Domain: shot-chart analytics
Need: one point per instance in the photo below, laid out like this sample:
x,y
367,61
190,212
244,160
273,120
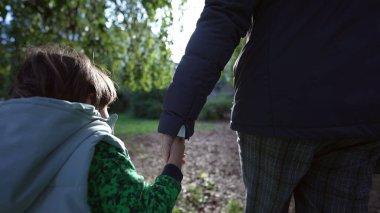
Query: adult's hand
x,y
166,143
177,152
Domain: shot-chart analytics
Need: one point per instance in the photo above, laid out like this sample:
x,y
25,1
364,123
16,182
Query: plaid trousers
x,y
323,176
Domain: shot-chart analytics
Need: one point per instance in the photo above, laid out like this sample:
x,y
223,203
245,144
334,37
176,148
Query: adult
x,y
307,97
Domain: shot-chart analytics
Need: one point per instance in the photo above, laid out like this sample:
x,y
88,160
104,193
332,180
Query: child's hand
x,y
177,152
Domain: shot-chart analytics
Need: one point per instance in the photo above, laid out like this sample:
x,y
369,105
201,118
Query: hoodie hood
x,y
37,137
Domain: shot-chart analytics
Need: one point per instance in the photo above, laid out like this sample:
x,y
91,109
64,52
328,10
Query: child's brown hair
x,y
63,73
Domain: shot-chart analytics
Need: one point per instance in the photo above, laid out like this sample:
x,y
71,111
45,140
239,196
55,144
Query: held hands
x,y
173,149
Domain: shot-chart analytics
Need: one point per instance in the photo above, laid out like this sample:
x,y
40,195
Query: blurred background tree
x,y
128,37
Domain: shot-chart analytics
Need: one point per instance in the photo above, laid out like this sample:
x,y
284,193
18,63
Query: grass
x,y
127,125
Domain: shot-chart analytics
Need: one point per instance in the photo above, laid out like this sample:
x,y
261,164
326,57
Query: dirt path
x,y
212,181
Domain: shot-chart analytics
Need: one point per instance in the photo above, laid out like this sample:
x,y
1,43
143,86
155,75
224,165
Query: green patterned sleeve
x,y
115,186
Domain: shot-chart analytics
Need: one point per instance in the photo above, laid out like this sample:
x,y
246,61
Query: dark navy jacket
x,y
311,68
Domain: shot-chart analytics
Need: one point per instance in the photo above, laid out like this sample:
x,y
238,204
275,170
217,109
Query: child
x,y
57,150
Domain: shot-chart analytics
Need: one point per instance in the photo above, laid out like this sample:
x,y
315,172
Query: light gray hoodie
x,y
46,147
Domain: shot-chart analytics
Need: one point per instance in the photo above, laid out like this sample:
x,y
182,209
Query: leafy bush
x,y
122,103
216,108
147,104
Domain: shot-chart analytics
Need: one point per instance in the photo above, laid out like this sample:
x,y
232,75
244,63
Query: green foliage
x,y
122,103
227,74
128,37
234,206
176,210
147,104
216,108
4,80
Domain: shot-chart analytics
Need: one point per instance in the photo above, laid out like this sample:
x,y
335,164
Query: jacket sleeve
x,y
221,26
115,186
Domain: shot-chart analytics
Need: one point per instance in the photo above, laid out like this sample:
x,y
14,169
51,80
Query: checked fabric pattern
x,y
324,176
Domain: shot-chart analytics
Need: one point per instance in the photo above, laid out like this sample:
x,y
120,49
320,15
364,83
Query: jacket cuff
x,y
170,124
173,171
